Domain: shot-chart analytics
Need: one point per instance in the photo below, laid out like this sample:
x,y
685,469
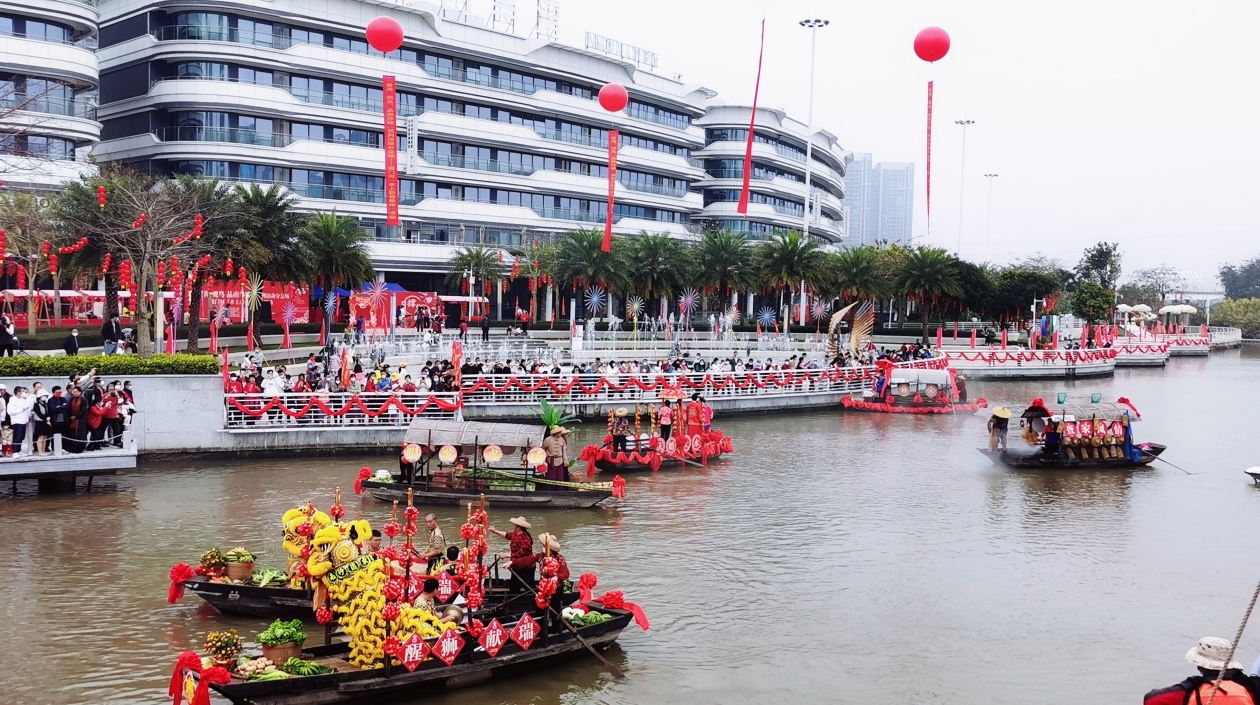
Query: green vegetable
x,y
299,667
275,675
268,576
239,555
282,632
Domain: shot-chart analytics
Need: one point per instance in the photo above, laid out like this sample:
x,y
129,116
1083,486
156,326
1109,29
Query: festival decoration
x,y
355,404
687,302
447,454
412,453
288,313
492,453
595,299
930,45
766,316
613,97
385,34
635,307
100,197
819,310
742,206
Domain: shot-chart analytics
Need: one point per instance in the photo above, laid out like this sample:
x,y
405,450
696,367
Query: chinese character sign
x,y
612,188
448,646
413,652
446,586
493,638
390,97
525,631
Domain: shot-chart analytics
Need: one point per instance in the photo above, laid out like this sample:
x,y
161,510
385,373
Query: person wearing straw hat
x,y
520,553
1210,656
999,422
556,447
620,429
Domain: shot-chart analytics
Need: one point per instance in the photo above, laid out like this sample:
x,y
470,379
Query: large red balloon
x,y
613,97
384,34
932,44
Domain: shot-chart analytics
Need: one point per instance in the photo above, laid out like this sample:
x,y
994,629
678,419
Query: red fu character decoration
x,y
613,98
931,45
386,35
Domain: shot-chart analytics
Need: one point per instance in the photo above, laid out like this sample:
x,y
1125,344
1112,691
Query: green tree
x,y
482,262
723,260
786,260
1018,286
1100,264
1239,313
1162,279
1242,281
272,240
1091,302
581,260
858,273
337,246
929,275
979,287
660,263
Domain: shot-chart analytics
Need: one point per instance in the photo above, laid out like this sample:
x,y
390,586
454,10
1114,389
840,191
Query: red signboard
x,y
525,631
230,295
388,85
413,651
613,137
493,638
446,586
448,646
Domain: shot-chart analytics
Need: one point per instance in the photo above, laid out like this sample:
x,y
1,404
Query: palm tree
x,y
660,263
724,261
338,250
787,259
483,263
270,233
857,274
927,275
582,260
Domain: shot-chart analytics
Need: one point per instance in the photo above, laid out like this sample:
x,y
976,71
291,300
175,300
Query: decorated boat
x,y
389,642
690,443
913,391
455,462
1078,435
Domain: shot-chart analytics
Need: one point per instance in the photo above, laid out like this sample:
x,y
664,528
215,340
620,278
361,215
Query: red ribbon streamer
x,y
929,158
188,660
851,403
613,137
742,209
354,403
179,573
615,600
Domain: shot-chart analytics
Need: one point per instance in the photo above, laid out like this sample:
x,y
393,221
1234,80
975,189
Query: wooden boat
x,y
472,666
287,603
453,462
652,454
913,391
1093,435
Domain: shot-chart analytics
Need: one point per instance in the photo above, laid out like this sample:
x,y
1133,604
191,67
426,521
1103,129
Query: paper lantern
x,y
492,454
447,454
536,456
932,44
411,453
613,97
384,34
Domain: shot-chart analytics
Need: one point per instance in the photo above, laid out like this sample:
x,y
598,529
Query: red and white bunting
x,y
413,651
525,631
493,638
448,646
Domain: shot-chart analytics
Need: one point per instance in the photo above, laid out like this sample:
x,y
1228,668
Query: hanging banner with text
x,y
613,136
388,84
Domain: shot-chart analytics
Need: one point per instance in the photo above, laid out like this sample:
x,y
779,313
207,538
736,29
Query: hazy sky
x,y
1112,120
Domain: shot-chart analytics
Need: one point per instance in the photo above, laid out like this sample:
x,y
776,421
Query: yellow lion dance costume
x,y
294,542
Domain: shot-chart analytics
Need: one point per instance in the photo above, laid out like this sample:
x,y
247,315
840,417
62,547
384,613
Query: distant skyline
x,y
1122,121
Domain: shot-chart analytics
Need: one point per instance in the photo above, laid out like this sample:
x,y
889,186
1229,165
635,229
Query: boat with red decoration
x,y
689,441
901,390
1093,435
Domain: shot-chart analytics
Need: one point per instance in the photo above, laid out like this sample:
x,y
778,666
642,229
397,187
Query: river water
x,y
834,557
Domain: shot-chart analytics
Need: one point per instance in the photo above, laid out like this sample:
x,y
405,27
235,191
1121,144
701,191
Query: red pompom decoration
x,y
391,529
468,532
306,551
391,611
411,514
337,511
550,566
306,528
409,529
390,646
392,589
323,615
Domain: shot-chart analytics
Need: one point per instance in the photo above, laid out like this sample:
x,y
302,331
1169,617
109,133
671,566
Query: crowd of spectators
x,y
88,413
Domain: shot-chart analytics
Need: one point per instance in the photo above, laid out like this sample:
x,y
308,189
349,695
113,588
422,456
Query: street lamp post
x,y
962,180
813,26
989,226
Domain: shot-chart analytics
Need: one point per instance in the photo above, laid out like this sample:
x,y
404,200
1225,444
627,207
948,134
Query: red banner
x,y
388,85
742,209
613,137
232,297
929,159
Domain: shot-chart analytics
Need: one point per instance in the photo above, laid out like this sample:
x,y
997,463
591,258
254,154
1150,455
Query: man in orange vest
x,y
1235,688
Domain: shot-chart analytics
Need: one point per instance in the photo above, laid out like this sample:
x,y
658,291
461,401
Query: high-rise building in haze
x,y
879,199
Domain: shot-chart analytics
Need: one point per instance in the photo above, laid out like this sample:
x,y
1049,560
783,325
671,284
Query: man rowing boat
x,y
1235,688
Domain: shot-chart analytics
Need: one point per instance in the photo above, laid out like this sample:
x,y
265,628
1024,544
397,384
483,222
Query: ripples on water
x,y
834,557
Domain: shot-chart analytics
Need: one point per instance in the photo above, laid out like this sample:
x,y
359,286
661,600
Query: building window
x,y
202,168
203,69
201,25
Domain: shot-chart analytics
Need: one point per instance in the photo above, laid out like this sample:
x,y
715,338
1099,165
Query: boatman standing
x,y
998,425
556,448
1235,688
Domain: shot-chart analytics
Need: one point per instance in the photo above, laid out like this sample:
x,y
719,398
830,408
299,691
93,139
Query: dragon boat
x,y
457,462
648,451
1094,435
913,391
381,642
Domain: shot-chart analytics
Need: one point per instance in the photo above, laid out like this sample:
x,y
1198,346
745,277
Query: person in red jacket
x,y
1209,655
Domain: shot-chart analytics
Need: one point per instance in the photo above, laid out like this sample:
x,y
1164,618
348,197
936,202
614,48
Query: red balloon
x,y
613,97
932,44
384,34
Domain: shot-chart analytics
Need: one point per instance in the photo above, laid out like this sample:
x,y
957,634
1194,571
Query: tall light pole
x,y
813,26
962,179
989,227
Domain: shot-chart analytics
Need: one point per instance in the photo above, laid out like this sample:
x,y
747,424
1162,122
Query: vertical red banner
x,y
929,159
742,208
390,97
613,137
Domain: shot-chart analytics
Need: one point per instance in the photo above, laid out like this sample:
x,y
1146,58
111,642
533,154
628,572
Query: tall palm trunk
x,y
927,311
111,295
194,315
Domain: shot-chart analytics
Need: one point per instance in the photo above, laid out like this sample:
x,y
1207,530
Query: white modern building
x,y
879,200
48,87
862,222
777,183
501,138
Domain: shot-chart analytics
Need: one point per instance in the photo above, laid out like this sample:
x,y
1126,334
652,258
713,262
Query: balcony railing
x,y
572,214
49,105
191,133
461,162
661,189
214,33
348,193
81,43
572,137
641,112
788,152
758,175
351,102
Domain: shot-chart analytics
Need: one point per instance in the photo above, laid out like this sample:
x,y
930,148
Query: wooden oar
x,y
679,457
616,672
1161,459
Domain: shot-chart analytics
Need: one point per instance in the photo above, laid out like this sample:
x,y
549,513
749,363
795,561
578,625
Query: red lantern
x,y
227,267
100,197
52,264
613,97
43,250
2,243
932,44
384,34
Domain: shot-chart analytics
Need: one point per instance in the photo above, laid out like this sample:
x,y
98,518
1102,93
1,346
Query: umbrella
x,y
1124,308
1141,308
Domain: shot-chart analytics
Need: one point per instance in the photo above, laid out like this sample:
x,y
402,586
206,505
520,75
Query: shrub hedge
x,y
109,365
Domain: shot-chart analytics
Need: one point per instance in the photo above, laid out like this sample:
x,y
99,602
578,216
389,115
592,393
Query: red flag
x,y
939,338
613,136
226,381
973,337
929,158
390,99
752,124
955,330
1003,338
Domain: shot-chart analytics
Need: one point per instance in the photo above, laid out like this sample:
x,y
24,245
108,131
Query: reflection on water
x,y
833,553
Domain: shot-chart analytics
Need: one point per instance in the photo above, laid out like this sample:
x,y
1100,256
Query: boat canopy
x,y
923,377
1080,411
508,436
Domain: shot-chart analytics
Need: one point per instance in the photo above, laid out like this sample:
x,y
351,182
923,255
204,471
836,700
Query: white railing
x,y
1221,335
615,388
1018,357
297,411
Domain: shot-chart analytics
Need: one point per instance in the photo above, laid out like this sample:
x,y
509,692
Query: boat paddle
x,y
616,672
1161,459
